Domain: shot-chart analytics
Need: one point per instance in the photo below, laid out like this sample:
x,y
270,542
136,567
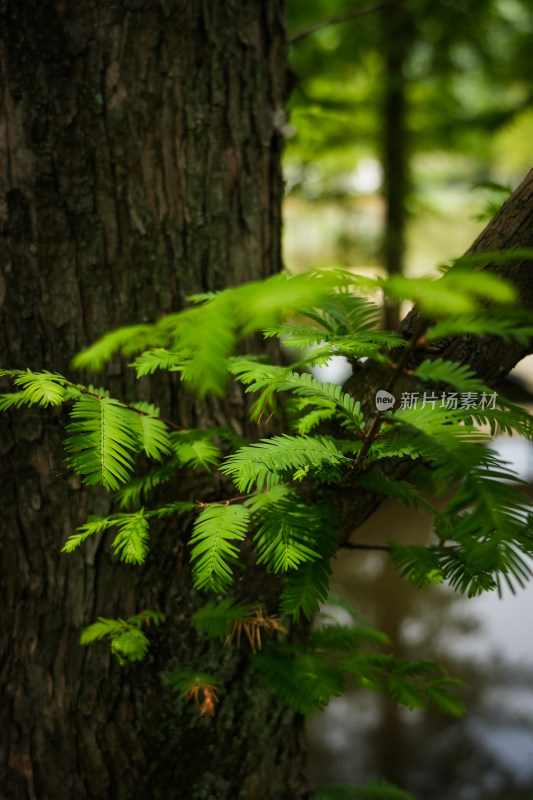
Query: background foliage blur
x,y
400,121
409,125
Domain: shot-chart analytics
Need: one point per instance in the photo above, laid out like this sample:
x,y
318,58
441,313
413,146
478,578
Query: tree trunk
x,y
139,163
397,42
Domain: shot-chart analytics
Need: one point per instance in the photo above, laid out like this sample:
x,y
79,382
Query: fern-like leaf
x,y
403,491
39,388
305,589
94,525
445,701
306,681
216,617
102,441
267,461
215,531
421,565
458,292
517,325
288,532
127,640
274,380
128,340
152,432
159,358
130,543
195,449
343,313
451,373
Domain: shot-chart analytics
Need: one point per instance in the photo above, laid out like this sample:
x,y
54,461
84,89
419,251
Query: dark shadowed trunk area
x,y
139,163
397,43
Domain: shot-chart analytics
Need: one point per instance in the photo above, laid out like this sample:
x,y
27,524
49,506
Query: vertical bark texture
x,y
139,162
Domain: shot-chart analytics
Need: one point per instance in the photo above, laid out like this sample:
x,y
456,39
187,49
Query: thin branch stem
x,y
83,390
228,502
398,370
356,546
300,33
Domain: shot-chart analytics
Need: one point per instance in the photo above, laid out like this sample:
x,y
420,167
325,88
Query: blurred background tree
x,y
408,121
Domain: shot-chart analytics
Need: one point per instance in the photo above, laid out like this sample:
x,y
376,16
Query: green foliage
x,y
195,449
191,448
131,540
304,679
158,358
289,484
137,490
42,388
460,376
458,292
222,319
184,681
371,791
307,677
215,531
327,396
403,491
288,532
305,589
102,441
128,642
514,324
152,433
266,463
216,617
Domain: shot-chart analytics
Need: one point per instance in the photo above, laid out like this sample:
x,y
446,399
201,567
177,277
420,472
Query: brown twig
x,y
398,370
227,502
84,390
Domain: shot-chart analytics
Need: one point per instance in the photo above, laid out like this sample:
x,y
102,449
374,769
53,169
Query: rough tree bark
x,y
139,163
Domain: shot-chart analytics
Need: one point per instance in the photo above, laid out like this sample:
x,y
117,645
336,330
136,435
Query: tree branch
x,y
300,33
398,371
357,546
490,357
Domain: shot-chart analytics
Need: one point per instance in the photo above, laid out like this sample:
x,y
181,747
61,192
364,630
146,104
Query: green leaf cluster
x,y
127,640
277,513
307,677
371,791
38,388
